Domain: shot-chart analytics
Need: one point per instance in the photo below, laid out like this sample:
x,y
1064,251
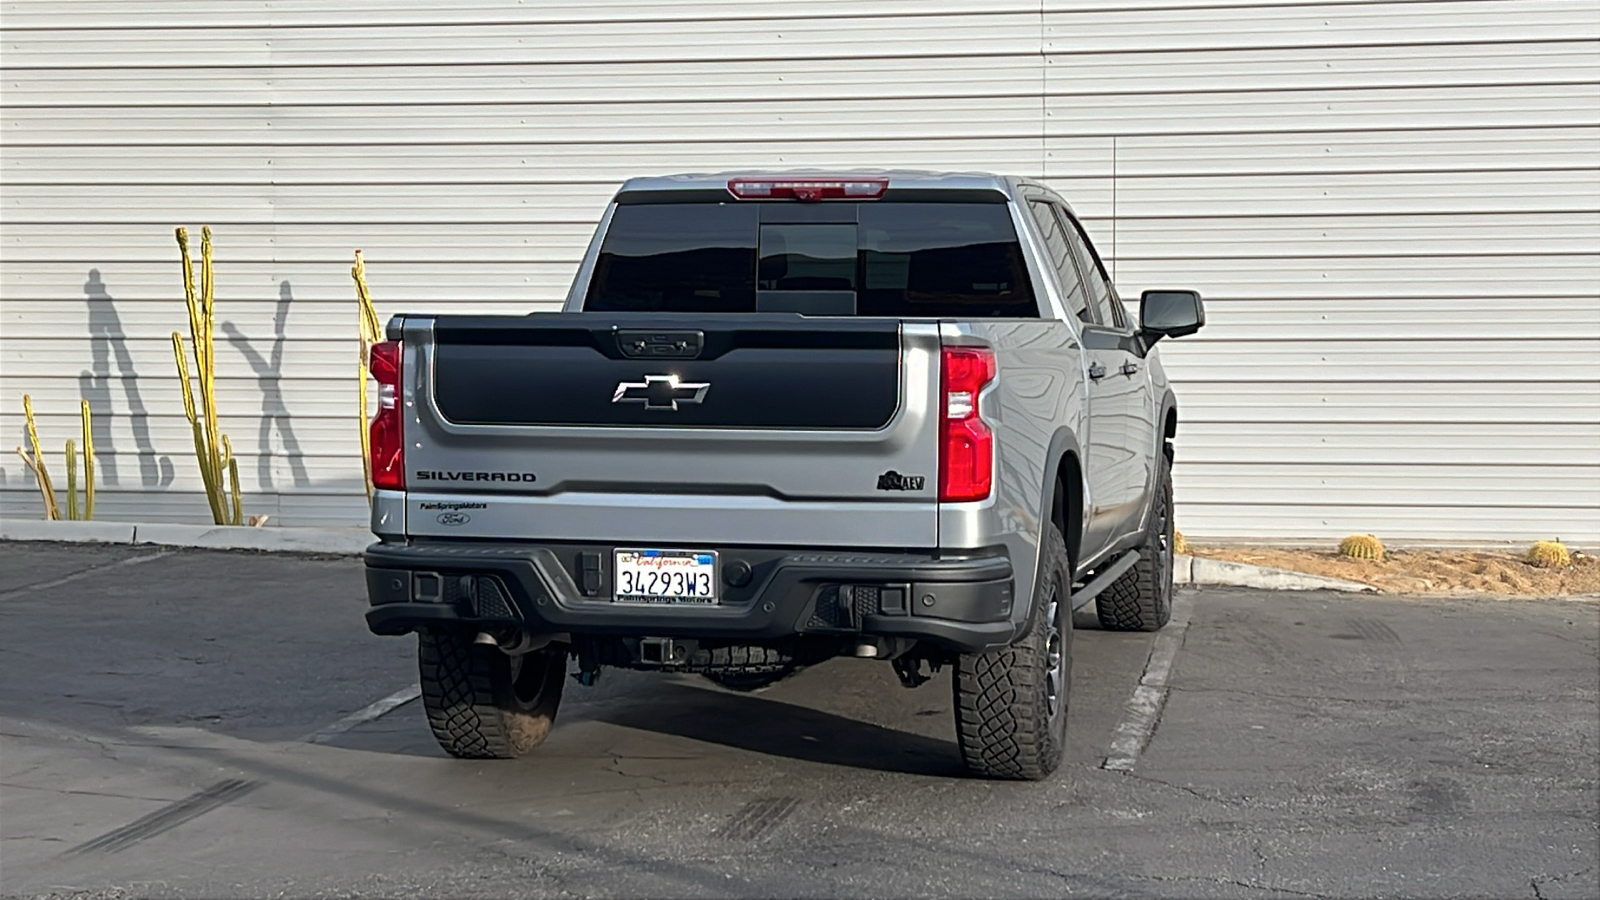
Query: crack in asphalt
x,y
1392,703
617,762
1231,882
102,744
1210,798
1366,701
105,750
82,793
1538,880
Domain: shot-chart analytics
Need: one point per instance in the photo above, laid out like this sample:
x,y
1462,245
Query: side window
x,y
1055,241
1100,293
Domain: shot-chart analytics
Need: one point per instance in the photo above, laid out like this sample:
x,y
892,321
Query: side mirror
x,y
1170,314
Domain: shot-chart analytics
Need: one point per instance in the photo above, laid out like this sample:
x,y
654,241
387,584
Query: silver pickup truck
x,y
783,417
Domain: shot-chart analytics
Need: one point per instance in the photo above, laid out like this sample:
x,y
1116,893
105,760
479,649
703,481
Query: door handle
x,y
1096,371
1129,368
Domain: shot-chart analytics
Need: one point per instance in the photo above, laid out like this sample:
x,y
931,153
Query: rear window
x,y
881,258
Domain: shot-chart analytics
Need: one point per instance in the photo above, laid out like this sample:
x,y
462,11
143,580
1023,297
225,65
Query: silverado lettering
x,y
435,475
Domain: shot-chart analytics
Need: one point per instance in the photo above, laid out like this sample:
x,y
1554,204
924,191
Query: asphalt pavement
x,y
220,724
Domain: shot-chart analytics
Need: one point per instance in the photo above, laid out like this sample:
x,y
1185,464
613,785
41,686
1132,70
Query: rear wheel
x,y
483,704
1011,705
1141,599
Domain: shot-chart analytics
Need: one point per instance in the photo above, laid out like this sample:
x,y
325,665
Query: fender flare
x,y
1062,442
1168,405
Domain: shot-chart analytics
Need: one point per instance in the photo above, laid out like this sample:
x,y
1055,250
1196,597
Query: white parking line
x,y
365,714
1144,707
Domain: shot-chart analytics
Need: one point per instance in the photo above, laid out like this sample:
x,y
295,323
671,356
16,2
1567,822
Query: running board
x,y
1103,580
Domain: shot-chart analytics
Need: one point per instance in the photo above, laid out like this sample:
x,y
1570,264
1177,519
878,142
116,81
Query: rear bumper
x,y
962,603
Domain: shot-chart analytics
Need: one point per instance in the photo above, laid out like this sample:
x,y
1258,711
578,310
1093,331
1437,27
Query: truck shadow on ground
x,y
772,727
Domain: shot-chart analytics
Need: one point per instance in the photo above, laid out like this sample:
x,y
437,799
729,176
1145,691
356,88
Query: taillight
x,y
966,445
387,438
808,188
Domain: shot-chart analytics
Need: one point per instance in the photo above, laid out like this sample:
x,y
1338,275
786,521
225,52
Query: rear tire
x,y
1141,599
1011,705
483,704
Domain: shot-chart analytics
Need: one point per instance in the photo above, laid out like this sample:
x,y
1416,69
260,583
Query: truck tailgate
x,y
733,428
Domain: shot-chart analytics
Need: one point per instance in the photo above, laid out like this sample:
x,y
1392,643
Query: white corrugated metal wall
x,y
1393,209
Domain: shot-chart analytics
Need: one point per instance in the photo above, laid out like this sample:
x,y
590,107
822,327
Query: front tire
x,y
1141,599
1011,705
483,704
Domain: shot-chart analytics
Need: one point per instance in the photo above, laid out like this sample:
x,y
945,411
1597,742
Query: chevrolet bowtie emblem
x,y
663,392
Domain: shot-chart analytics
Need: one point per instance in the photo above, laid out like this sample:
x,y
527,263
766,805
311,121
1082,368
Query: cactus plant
x,y
88,462
210,445
371,333
41,473
72,480
36,464
1361,546
1549,555
232,465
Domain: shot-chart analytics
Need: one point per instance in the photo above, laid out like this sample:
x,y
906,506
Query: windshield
x,y
880,258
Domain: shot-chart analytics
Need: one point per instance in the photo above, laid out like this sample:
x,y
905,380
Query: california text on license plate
x,y
666,576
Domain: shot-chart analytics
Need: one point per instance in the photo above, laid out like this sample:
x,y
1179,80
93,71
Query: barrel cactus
x,y
1361,546
1549,555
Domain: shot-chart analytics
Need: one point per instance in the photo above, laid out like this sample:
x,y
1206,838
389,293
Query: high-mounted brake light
x,y
386,439
808,189
966,443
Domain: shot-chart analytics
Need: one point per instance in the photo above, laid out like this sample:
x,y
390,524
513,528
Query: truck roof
x,y
898,178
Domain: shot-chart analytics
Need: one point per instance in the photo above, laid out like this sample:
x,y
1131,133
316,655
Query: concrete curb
x,y
76,532
335,541
1200,572
1187,570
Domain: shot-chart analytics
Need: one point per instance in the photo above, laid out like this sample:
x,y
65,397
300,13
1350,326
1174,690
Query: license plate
x,y
666,576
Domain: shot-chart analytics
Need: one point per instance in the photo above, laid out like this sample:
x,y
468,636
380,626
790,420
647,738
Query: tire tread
x,y
1002,722
464,694
1133,601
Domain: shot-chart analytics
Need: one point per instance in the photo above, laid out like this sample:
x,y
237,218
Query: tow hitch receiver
x,y
662,651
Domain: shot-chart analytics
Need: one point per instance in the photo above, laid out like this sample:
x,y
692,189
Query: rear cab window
x,y
890,258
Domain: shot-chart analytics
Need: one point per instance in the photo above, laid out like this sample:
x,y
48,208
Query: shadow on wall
x,y
269,375
107,343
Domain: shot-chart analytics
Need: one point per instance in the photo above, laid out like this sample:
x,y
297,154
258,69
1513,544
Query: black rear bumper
x,y
961,603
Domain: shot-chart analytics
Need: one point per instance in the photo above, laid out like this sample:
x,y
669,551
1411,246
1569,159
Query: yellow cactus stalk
x,y
88,463
1361,546
371,333
41,472
189,410
237,511
1549,555
72,480
28,461
210,445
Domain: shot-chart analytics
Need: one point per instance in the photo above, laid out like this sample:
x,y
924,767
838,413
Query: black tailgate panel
x,y
759,371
